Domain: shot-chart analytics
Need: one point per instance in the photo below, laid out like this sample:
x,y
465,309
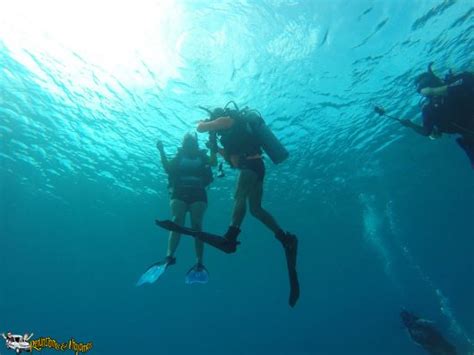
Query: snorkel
x,y
206,109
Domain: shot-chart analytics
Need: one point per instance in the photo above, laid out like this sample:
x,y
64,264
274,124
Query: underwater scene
x,y
281,177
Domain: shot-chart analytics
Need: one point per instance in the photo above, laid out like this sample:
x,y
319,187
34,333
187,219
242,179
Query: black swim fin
x,y
223,244
290,245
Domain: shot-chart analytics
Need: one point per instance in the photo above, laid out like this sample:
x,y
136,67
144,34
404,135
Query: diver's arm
x,y
163,157
458,82
4,337
215,125
421,130
439,91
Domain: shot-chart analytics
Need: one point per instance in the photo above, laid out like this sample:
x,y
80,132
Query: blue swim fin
x,y
198,274
154,272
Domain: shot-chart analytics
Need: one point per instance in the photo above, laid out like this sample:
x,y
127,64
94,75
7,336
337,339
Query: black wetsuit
x,y
188,177
241,141
454,113
427,336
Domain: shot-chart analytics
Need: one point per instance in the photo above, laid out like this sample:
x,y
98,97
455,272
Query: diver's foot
x,y
199,267
169,260
288,240
230,244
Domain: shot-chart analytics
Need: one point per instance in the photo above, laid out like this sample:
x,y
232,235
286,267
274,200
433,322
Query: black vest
x,y
190,172
240,138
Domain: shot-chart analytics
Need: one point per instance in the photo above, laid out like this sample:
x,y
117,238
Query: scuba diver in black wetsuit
x,y
450,108
189,173
423,333
243,135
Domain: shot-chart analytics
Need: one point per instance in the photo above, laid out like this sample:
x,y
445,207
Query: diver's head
x,y
190,143
408,318
427,79
218,112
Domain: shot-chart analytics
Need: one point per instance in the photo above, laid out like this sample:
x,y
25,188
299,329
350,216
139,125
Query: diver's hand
x,y
379,110
405,122
159,146
200,128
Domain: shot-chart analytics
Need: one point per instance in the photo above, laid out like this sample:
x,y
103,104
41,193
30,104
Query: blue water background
x,y
384,217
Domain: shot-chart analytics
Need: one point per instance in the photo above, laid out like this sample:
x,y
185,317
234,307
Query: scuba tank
x,y
269,142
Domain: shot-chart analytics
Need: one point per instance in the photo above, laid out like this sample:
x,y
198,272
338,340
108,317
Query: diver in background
x,y
423,333
189,173
450,108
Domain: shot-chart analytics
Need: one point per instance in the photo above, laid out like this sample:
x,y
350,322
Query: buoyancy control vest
x,y
454,113
249,135
191,171
240,139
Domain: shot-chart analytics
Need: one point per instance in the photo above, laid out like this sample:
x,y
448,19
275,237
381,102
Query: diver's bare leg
x,y
244,184
255,204
197,210
178,212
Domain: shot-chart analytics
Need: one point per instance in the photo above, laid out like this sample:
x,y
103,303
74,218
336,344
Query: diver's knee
x,y
257,212
240,201
240,205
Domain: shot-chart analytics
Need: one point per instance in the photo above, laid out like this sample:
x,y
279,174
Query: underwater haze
x,y
384,217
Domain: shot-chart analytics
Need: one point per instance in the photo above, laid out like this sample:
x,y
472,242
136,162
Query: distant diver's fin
x,y
198,274
216,241
154,272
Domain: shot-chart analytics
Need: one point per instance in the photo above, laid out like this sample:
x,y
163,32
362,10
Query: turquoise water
x,y
384,217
